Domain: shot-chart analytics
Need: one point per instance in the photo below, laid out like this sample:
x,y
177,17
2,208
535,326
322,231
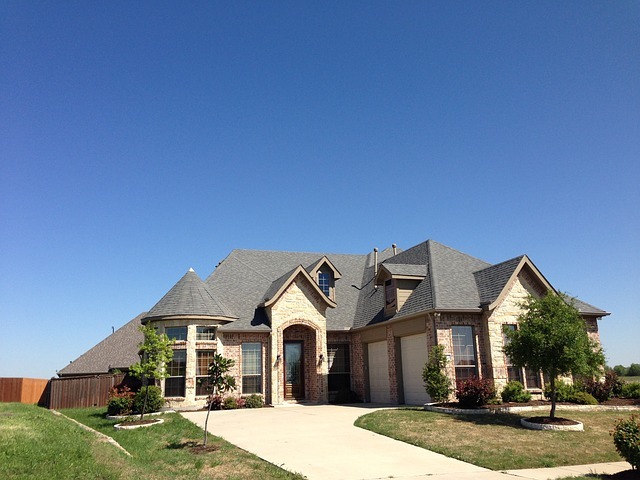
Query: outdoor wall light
x,y
321,358
278,359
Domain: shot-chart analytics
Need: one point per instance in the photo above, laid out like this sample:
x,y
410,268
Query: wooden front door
x,y
293,370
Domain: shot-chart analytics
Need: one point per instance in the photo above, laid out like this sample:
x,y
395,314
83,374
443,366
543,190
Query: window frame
x,y
460,367
528,378
176,328
324,282
202,376
212,334
176,375
249,384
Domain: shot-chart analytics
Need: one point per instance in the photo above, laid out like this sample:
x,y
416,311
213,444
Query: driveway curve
x,y
321,442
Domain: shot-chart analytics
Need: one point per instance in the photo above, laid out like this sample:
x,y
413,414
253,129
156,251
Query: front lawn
x,y
36,444
498,442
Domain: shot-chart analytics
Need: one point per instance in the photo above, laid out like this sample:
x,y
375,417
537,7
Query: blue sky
x,y
138,140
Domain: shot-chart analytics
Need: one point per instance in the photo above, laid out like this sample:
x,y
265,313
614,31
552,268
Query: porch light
x,y
321,359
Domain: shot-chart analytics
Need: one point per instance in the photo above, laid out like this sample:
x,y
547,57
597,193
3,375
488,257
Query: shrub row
x,y
218,402
122,401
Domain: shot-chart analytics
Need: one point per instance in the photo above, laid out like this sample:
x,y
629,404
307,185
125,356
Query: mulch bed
x,y
552,421
139,422
617,402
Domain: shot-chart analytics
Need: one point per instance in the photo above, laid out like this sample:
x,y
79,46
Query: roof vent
x,y
395,248
375,261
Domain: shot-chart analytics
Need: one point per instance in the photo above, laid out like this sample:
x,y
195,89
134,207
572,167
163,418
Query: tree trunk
x,y
206,420
553,397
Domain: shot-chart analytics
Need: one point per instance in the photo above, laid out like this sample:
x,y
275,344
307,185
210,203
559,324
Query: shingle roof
x,y
243,280
190,296
492,280
119,350
401,269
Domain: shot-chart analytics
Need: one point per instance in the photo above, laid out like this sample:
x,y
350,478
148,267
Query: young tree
x,y
219,382
552,337
436,381
155,353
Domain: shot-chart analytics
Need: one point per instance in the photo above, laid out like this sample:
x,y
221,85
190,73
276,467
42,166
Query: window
x,y
176,333
339,367
324,281
203,359
464,352
206,333
177,367
531,378
513,373
251,368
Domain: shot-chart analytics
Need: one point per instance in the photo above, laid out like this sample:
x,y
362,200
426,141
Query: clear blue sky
x,y
140,139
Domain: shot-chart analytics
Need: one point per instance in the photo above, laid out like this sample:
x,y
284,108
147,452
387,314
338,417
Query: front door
x,y
293,371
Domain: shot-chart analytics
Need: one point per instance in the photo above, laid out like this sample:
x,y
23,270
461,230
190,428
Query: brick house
x,y
307,326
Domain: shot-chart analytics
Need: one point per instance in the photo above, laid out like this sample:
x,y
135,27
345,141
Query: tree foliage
x,y
552,337
155,353
218,382
436,381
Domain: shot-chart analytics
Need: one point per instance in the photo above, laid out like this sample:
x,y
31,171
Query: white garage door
x,y
414,355
379,372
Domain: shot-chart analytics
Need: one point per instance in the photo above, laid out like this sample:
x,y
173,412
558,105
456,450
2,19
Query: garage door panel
x,y
414,355
378,372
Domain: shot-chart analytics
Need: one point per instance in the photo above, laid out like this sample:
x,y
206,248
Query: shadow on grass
x,y
500,419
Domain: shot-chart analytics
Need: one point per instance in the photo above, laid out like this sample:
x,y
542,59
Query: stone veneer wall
x,y
507,313
299,313
191,345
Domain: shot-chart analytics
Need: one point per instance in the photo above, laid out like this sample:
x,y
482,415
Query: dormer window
x,y
324,281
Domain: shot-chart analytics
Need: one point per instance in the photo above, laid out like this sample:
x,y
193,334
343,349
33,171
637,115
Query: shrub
x,y
155,400
436,381
474,392
630,390
583,398
603,391
120,401
216,402
514,392
241,402
626,438
254,401
564,391
230,403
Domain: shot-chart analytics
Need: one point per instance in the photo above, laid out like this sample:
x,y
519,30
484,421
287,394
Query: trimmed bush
x,y
514,391
630,390
216,402
120,401
626,438
230,403
583,398
564,391
254,401
474,392
155,400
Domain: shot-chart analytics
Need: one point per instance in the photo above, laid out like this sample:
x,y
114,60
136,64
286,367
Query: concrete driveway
x,y
320,442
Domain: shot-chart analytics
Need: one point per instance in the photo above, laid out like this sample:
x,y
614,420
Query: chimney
x,y
395,248
375,262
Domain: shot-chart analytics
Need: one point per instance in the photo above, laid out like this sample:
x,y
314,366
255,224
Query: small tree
x,y
552,337
218,382
633,370
155,353
436,381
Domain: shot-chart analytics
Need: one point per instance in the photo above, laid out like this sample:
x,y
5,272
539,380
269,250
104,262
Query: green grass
x,y
498,442
36,444
630,379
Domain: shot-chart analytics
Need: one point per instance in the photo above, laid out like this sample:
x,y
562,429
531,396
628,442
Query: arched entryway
x,y
301,376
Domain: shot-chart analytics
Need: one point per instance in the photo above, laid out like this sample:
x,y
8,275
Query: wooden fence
x,y
77,392
24,390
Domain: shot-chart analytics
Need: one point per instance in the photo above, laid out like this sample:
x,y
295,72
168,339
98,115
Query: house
x,y
307,326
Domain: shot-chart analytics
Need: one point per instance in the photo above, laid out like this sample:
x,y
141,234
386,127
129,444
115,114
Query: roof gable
x,y
279,286
317,265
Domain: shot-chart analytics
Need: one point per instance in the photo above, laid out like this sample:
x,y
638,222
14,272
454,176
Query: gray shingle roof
x,y
119,350
190,296
492,280
409,270
243,280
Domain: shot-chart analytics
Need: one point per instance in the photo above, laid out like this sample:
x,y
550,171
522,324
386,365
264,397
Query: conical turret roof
x,y
189,297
